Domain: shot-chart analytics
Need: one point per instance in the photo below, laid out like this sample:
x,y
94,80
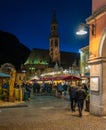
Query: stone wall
x,y
96,4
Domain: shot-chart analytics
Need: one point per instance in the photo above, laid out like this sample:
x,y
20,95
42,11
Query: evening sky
x,y
30,21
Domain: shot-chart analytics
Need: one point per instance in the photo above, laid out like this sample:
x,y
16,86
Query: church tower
x,y
54,41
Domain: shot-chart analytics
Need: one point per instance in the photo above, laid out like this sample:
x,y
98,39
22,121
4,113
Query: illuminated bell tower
x,y
54,41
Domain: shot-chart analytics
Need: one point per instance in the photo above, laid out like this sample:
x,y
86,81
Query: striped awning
x,y
4,75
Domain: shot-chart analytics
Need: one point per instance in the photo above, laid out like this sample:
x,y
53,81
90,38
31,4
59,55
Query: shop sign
x,y
94,83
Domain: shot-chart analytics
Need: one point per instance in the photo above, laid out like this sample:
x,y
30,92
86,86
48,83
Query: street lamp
x,y
82,31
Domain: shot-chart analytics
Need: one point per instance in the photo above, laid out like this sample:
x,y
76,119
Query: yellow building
x,y
84,56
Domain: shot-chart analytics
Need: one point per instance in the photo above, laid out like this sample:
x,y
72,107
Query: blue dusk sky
x,y
30,20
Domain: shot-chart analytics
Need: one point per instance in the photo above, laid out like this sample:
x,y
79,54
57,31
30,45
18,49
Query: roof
x,y
41,56
38,56
68,58
54,21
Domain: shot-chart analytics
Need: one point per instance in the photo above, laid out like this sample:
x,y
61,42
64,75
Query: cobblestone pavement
x,y
48,113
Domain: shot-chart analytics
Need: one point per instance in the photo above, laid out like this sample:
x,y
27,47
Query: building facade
x,y
84,56
97,58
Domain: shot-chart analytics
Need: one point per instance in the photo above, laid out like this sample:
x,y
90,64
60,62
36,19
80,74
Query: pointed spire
x,y
54,17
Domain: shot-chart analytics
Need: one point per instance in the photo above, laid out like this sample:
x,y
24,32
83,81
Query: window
x,y
56,43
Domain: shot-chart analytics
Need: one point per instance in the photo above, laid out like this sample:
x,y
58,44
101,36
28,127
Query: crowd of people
x,y
78,92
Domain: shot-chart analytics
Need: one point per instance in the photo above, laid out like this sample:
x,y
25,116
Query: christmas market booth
x,y
4,83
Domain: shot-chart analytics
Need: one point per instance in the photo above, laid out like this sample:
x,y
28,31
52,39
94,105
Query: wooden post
x,y
11,85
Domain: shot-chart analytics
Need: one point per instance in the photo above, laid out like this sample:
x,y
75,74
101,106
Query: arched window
x,y
56,43
51,42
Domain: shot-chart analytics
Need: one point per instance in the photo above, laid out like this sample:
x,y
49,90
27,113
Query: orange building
x,y
98,19
97,57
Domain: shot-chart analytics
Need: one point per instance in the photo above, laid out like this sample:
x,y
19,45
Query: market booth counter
x,y
4,86
5,93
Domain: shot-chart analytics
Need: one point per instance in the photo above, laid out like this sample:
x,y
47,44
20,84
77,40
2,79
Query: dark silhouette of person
x,y
80,95
72,94
65,88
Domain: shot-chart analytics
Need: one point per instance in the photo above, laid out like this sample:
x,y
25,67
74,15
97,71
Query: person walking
x,y
34,88
28,89
65,88
80,96
60,88
87,97
72,94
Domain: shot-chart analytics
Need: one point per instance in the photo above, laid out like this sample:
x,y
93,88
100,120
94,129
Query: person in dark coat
x,y
65,88
80,95
72,94
34,88
28,89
